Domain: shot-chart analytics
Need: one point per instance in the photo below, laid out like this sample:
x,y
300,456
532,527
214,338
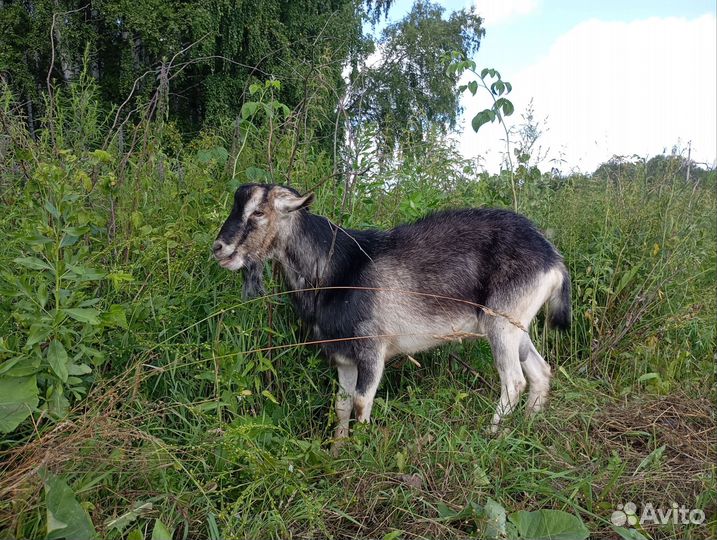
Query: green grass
x,y
178,421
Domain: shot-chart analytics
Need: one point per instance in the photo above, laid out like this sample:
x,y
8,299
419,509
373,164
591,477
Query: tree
x,y
216,49
408,90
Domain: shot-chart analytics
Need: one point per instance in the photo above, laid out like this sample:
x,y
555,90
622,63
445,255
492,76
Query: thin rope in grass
x,y
134,367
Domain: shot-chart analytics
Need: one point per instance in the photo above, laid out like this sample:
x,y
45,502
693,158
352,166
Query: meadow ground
x,y
162,404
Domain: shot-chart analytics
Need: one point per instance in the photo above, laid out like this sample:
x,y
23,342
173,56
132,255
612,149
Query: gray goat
x,y
372,295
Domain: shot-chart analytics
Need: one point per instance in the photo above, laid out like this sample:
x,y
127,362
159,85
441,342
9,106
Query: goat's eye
x,y
258,213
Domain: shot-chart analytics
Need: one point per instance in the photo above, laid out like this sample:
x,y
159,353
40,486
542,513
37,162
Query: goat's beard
x,y
253,279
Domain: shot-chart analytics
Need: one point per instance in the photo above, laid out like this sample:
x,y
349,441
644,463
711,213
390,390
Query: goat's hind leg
x,y
505,343
537,371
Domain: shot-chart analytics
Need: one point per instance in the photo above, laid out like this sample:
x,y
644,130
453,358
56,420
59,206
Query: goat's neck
x,y
304,254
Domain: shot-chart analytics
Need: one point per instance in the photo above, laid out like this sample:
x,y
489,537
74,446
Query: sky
x,y
608,77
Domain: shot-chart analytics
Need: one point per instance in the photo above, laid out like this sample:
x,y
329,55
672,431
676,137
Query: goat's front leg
x,y
370,370
347,372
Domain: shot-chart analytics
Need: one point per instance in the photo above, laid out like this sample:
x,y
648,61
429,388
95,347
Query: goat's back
x,y
474,252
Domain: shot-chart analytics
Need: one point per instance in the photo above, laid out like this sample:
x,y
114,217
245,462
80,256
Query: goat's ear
x,y
290,202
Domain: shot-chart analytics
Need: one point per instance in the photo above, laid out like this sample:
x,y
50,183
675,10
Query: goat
x,y
372,294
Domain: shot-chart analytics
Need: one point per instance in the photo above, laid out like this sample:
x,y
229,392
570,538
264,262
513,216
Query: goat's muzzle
x,y
227,255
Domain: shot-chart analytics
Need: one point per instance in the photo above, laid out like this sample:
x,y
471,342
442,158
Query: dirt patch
x,y
667,445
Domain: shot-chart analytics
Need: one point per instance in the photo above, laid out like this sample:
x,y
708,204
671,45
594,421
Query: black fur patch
x,y
253,280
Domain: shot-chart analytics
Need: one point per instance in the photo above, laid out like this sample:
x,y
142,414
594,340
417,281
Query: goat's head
x,y
261,214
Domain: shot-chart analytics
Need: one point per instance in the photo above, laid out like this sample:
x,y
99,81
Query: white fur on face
x,y
253,203
233,263
226,251
231,256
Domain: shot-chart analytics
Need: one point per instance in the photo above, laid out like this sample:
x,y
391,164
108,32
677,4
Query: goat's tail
x,y
559,303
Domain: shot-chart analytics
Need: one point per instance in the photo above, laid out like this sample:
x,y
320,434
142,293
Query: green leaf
x,y
69,240
18,398
8,364
217,154
549,525
495,526
122,522
629,534
57,403
52,209
84,315
626,278
481,118
498,87
135,534
255,174
651,460
506,105
102,155
214,533
115,316
471,511
57,358
160,531
393,535
42,294
66,518
21,366
38,240
268,395
33,262
648,377
249,109
473,87
508,108
79,369
117,278
82,273
38,333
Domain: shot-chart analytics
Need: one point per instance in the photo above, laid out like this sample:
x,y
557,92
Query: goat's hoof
x,y
336,446
497,430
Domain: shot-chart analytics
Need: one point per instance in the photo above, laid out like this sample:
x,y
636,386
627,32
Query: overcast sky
x,y
613,77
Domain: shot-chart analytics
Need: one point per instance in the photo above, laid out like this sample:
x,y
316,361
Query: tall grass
x,y
176,421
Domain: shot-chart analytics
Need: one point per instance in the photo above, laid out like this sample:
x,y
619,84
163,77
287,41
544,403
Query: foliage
x,y
57,313
141,398
65,516
500,108
490,520
211,50
407,91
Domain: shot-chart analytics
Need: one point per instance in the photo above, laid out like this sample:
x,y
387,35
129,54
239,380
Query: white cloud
x,y
499,11
617,88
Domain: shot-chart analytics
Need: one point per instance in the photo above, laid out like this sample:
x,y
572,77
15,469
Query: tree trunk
x,y
66,64
30,118
94,61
